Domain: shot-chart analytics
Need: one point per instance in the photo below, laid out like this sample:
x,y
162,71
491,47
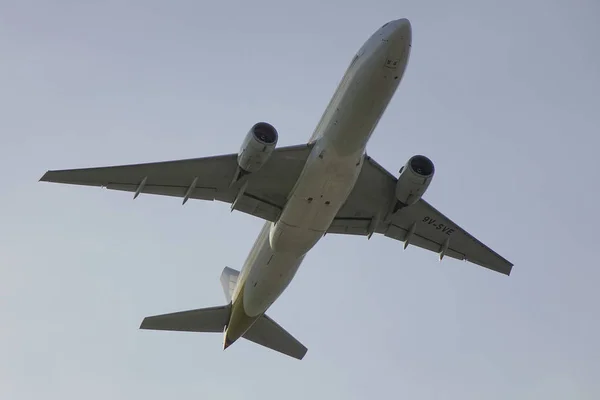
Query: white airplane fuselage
x,y
328,177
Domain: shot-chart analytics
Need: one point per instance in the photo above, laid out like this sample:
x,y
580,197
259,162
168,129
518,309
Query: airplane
x,y
328,185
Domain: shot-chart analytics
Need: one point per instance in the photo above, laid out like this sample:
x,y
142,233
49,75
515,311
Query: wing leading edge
x,y
262,194
367,212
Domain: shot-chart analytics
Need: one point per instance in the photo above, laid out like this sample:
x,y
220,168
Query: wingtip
x,y
301,356
143,324
44,177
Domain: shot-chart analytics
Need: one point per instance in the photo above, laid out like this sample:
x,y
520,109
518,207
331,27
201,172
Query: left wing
x,y
368,211
262,194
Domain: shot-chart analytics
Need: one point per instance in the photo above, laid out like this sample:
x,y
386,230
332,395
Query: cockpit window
x,y
384,25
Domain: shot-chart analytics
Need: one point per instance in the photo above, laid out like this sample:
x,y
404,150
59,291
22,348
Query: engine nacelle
x,y
415,177
259,143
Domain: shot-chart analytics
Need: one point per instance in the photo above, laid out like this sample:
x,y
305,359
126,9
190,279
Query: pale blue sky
x,y
502,96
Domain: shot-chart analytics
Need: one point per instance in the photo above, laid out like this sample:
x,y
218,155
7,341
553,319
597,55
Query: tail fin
x,y
264,331
268,333
212,319
229,278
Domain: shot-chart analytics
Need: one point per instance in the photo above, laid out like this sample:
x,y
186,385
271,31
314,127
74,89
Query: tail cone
x,y
227,342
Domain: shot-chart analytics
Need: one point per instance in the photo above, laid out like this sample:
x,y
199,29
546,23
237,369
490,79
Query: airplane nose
x,y
403,21
402,30
396,45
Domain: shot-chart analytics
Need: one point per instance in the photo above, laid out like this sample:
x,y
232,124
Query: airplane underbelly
x,y
333,167
320,193
268,278
316,200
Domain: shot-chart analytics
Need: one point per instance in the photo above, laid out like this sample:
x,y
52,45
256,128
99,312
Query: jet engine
x,y
259,143
415,177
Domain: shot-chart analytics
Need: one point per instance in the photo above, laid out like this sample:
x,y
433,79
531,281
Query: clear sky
x,y
503,96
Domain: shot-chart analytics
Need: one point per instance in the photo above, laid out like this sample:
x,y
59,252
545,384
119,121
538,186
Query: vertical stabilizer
x,y
229,278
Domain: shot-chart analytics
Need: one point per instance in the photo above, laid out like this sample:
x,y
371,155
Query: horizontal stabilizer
x,y
264,331
211,319
268,333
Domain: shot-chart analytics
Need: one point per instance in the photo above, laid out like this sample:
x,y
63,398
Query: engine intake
x,y
259,143
421,165
265,133
415,177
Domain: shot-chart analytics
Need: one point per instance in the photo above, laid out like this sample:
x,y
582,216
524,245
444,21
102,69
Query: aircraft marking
x,y
439,226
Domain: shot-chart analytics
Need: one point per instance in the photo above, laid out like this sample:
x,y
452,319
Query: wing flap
x,y
400,234
350,226
207,194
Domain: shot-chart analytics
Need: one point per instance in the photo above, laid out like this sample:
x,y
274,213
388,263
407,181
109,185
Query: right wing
x,y
368,210
207,178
